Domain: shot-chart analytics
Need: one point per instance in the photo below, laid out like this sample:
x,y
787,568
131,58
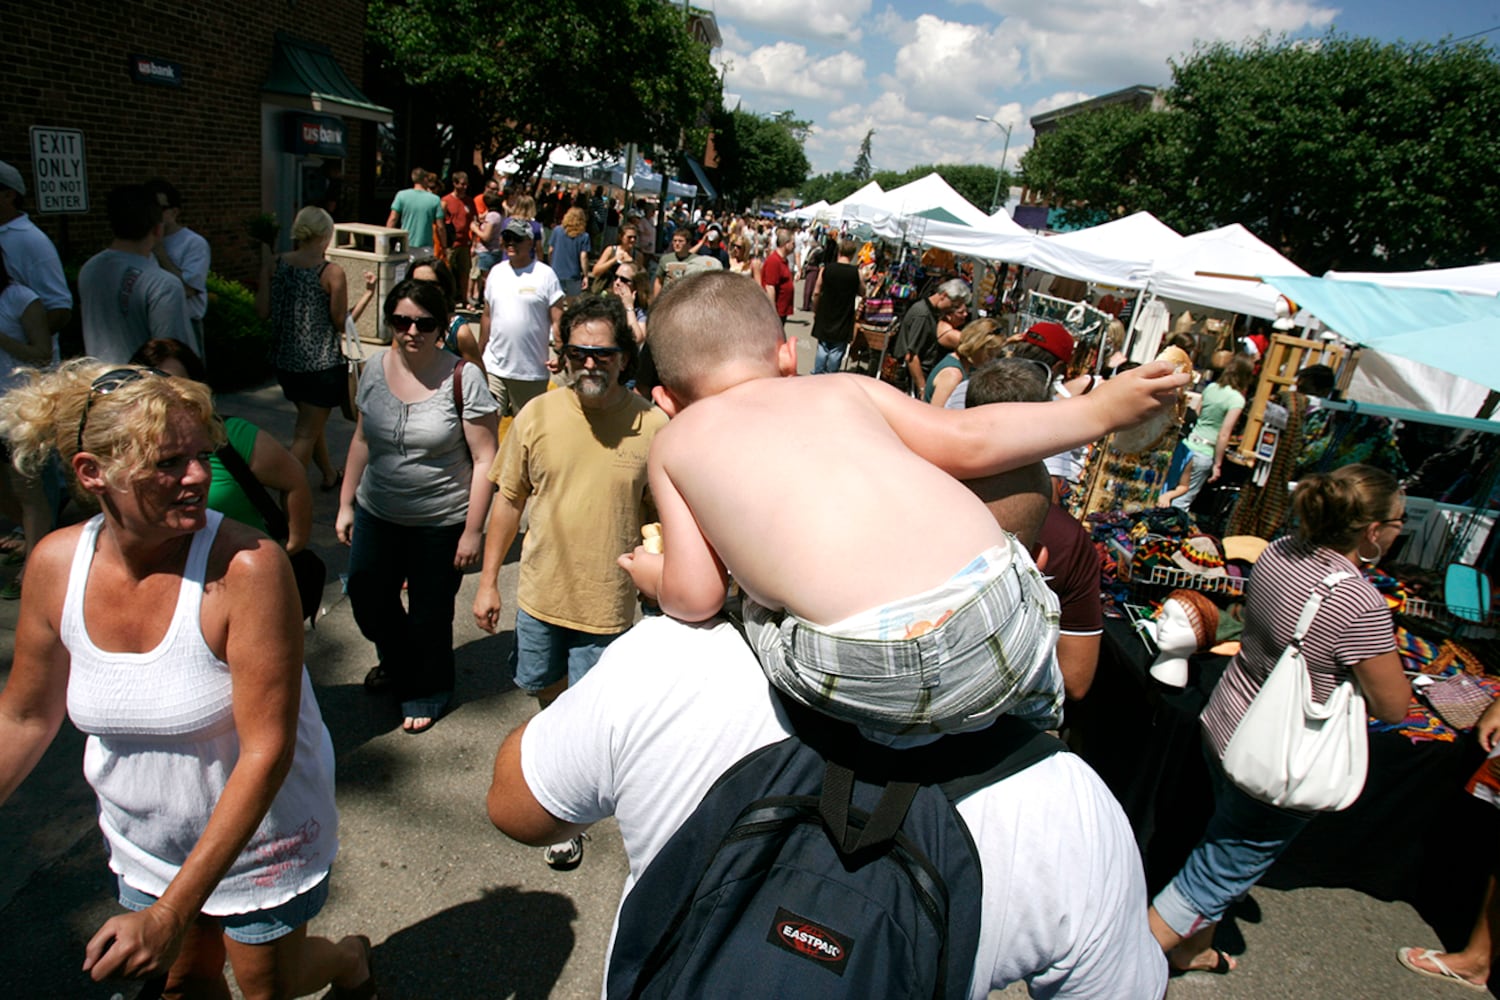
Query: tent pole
x,y
1135,316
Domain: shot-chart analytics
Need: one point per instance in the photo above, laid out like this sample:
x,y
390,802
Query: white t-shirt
x,y
670,707
520,307
190,253
128,299
13,302
31,259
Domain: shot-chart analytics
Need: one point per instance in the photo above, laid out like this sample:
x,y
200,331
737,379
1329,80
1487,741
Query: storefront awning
x,y
708,189
307,70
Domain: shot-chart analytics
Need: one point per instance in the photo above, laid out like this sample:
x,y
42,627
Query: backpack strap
x,y
458,389
255,492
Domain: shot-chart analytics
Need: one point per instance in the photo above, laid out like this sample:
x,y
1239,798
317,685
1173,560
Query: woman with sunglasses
x,y
628,284
169,634
1345,521
414,501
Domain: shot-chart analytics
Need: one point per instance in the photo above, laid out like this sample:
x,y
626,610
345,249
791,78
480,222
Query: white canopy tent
x,y
818,211
1480,279
889,213
1118,253
1218,269
867,195
996,238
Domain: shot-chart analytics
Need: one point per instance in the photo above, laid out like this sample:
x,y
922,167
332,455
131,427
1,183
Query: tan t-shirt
x,y
583,473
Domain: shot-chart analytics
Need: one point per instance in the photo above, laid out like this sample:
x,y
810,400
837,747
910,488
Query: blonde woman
x,y
569,250
305,300
169,634
980,341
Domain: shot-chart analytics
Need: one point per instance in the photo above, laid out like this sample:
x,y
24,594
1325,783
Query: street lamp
x,y
995,199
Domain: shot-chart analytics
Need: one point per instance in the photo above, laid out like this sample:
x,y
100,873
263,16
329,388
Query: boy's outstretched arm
x,y
987,440
686,579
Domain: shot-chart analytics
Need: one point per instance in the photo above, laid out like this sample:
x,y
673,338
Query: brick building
x,y
247,108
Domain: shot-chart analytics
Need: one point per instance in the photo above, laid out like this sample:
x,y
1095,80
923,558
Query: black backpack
x,y
821,866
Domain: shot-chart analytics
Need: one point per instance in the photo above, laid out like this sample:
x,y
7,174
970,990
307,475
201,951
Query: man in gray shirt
x,y
126,296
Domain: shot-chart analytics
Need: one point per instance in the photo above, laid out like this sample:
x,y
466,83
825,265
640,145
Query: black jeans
x,y
414,642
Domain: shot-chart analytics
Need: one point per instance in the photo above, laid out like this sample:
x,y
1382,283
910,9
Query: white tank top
x,y
162,743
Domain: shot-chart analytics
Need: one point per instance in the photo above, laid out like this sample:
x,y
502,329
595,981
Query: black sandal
x,y
377,680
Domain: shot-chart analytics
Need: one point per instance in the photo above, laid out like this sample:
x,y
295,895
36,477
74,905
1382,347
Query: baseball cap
x,y
519,228
1052,338
11,177
712,234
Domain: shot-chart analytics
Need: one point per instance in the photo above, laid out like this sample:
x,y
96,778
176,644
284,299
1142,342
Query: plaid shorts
x,y
994,655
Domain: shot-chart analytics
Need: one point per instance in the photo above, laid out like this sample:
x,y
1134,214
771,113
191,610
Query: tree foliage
x,y
759,154
862,168
524,79
1348,153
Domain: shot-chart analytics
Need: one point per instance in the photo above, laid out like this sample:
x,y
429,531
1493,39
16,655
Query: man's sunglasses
x,y
578,355
424,324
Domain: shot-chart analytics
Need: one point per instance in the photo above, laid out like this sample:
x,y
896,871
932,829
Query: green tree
x,y
861,171
759,155
1107,163
1348,153
523,79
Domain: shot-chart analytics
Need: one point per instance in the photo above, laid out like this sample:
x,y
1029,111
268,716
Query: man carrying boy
x,y
742,489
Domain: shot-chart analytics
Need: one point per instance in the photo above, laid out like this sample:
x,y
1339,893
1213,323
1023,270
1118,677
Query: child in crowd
x,y
874,579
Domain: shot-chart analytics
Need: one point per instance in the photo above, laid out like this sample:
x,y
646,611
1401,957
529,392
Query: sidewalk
x,y
454,908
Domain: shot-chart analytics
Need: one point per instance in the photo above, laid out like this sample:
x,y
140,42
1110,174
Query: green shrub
x,y
236,339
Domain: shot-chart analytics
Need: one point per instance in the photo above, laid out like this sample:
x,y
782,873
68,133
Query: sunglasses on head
x,y
110,381
424,324
578,355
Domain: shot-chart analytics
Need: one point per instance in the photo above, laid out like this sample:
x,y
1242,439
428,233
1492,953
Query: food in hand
x,y
651,537
1178,358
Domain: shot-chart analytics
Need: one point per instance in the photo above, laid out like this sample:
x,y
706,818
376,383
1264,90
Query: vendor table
x,y
1414,834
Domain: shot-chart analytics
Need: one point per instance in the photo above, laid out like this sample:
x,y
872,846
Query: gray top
x,y
419,469
127,299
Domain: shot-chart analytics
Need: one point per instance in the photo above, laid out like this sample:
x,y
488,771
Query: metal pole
x,y
995,198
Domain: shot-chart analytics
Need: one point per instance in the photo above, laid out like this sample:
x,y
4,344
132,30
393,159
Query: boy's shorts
x,y
957,657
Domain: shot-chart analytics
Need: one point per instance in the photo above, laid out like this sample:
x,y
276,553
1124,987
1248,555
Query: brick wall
x,y
64,64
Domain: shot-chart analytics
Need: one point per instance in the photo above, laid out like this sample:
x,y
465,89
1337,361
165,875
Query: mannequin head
x,y
1187,623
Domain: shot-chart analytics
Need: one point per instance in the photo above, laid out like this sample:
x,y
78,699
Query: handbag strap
x,y
255,492
1315,602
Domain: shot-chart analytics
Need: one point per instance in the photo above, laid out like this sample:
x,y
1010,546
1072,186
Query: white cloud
x,y
1129,41
954,68
905,136
786,69
827,19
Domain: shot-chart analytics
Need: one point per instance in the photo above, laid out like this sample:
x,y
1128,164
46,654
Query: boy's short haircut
x,y
1009,380
705,321
848,248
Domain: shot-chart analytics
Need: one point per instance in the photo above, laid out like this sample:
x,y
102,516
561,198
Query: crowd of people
x,y
617,374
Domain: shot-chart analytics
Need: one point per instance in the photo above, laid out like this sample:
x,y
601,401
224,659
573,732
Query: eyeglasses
x,y
424,324
1397,520
110,381
578,355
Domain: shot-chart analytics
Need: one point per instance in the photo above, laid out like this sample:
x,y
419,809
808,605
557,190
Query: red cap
x,y
1052,338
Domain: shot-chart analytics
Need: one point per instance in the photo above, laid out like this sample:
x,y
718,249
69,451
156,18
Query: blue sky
x,y
918,71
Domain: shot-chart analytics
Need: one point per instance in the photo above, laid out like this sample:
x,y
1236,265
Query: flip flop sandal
x,y
378,680
432,709
1221,967
365,990
1403,955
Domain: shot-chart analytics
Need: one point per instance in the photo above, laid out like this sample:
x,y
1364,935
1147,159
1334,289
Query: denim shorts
x,y
545,653
255,927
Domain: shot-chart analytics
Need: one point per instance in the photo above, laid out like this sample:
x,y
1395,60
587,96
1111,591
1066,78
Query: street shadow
x,y
508,943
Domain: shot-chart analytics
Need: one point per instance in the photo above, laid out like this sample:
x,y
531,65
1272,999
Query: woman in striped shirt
x,y
1345,520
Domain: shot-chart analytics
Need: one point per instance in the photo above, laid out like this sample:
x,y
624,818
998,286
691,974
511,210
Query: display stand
x,y
1285,357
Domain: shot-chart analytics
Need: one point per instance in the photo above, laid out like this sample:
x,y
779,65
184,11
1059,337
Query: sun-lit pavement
x,y
458,911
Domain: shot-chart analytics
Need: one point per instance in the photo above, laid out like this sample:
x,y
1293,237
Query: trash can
x,y
360,249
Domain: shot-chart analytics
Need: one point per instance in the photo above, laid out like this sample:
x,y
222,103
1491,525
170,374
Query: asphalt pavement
x,y
455,909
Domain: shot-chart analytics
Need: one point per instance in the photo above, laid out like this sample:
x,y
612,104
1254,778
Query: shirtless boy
x,y
837,501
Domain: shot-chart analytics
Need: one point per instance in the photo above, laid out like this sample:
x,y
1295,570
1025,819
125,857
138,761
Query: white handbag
x,y
1289,750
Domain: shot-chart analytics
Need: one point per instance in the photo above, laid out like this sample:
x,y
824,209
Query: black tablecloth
x,y
1144,741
